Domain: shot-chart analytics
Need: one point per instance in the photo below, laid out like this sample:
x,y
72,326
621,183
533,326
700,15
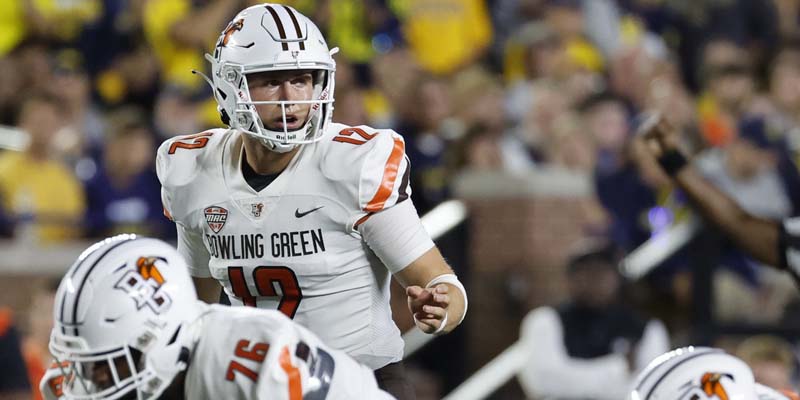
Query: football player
x,y
701,373
128,324
290,211
775,243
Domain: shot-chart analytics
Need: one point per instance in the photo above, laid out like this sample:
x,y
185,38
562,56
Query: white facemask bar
x,y
245,116
79,385
300,135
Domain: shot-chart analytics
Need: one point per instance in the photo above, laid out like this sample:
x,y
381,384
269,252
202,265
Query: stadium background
x,y
523,110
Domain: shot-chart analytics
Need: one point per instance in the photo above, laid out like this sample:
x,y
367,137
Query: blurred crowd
x,y
502,85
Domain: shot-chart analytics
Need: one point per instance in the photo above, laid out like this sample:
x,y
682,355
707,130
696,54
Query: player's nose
x,y
289,92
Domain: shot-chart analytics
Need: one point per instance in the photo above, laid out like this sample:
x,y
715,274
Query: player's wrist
x,y
452,279
672,161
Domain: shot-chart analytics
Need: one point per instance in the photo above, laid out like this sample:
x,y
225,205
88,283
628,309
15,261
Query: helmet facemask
x,y
107,374
237,106
133,371
264,38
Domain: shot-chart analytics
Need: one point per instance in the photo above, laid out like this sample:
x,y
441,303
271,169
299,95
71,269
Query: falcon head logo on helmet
x,y
712,386
230,30
144,285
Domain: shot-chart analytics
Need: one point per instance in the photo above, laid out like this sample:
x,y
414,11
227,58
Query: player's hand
x,y
428,306
51,384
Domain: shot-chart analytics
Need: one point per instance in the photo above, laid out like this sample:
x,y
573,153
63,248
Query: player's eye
x,y
302,80
264,82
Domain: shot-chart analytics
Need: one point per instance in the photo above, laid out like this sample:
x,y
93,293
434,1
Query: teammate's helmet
x,y
699,373
122,316
272,37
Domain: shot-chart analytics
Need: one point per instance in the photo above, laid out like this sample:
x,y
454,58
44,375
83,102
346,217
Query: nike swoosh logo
x,y
299,214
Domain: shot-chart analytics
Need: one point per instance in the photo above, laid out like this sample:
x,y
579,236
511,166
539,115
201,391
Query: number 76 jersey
x,y
295,246
256,354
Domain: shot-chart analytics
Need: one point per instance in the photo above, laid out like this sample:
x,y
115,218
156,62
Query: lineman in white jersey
x,y
128,324
289,211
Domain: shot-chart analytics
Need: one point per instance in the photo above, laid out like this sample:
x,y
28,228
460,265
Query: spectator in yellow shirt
x,y
179,32
445,35
41,196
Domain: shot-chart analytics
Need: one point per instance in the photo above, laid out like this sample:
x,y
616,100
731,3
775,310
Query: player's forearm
x,y
757,236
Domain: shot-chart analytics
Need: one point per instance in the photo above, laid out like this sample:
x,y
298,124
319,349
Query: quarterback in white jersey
x,y
290,211
295,246
128,324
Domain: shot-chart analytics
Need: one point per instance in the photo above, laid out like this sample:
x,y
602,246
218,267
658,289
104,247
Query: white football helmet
x,y
272,37
699,373
122,319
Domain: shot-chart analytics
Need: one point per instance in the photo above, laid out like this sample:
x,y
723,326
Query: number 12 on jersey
x,y
265,279
196,141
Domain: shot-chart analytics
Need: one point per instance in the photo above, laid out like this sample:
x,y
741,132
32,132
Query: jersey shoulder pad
x,y
182,159
256,323
371,162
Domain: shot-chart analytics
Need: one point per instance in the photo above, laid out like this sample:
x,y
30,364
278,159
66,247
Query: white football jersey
x,y
295,245
247,353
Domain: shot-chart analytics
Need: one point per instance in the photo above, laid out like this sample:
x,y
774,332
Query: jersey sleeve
x,y
193,250
396,236
789,246
386,221
384,175
166,168
180,161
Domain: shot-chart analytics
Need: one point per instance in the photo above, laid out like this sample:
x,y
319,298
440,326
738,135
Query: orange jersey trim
x,y
167,214
361,220
295,386
389,177
790,395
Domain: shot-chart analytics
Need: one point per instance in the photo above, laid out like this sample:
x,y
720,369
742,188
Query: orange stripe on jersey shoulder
x,y
790,395
389,177
361,221
295,385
